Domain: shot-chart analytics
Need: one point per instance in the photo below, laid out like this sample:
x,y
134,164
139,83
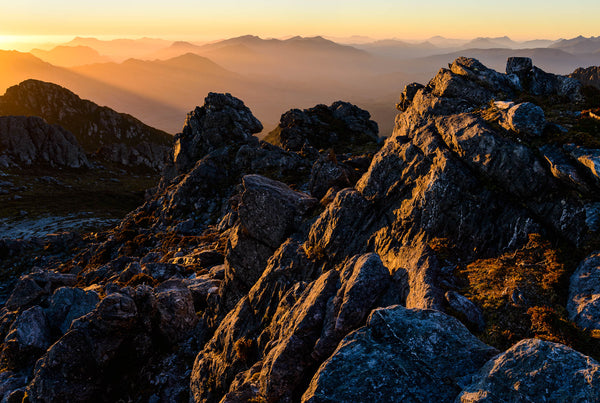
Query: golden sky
x,y
205,20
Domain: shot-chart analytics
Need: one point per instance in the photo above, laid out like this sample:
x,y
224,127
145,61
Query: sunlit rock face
x,y
326,266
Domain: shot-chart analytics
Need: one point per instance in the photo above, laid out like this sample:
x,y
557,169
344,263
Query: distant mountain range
x,y
158,81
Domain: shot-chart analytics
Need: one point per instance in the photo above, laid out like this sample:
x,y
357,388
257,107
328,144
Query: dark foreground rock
x,y
536,370
401,355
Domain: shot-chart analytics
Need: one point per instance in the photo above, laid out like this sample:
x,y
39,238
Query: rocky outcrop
x,y
25,141
118,137
233,282
223,120
534,369
587,76
337,126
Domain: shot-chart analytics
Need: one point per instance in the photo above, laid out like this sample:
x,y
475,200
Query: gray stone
x,y
68,304
526,118
27,338
400,355
518,65
583,305
535,371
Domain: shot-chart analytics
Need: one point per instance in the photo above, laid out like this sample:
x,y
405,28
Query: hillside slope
x,y
115,136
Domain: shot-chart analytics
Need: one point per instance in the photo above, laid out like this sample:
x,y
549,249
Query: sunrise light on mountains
x,y
299,201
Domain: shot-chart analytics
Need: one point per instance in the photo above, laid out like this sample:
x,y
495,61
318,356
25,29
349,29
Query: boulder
x,y
400,355
339,126
68,304
36,287
326,172
465,308
518,65
525,118
27,339
175,308
583,305
587,158
535,370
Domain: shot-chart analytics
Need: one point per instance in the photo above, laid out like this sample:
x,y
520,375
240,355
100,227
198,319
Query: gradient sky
x,y
187,19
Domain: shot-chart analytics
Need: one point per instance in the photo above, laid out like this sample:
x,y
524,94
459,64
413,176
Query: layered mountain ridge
x,y
99,130
450,263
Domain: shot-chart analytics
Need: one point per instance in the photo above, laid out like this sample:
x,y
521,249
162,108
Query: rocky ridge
x,y
588,76
30,140
431,270
99,130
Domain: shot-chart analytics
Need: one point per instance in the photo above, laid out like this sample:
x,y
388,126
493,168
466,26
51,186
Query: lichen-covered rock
x,y
536,370
465,307
526,118
400,355
175,308
584,293
587,158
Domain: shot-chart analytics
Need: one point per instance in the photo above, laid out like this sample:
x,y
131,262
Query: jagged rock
x,y
407,95
589,159
326,172
587,76
30,140
334,234
465,307
338,126
27,338
260,231
93,126
67,372
400,355
176,313
447,84
222,120
68,304
536,370
562,168
9,382
35,287
260,198
584,293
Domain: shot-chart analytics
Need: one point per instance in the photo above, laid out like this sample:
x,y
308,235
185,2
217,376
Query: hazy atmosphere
x,y
306,201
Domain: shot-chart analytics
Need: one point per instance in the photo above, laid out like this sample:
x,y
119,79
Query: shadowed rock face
x,y
116,137
233,283
25,141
